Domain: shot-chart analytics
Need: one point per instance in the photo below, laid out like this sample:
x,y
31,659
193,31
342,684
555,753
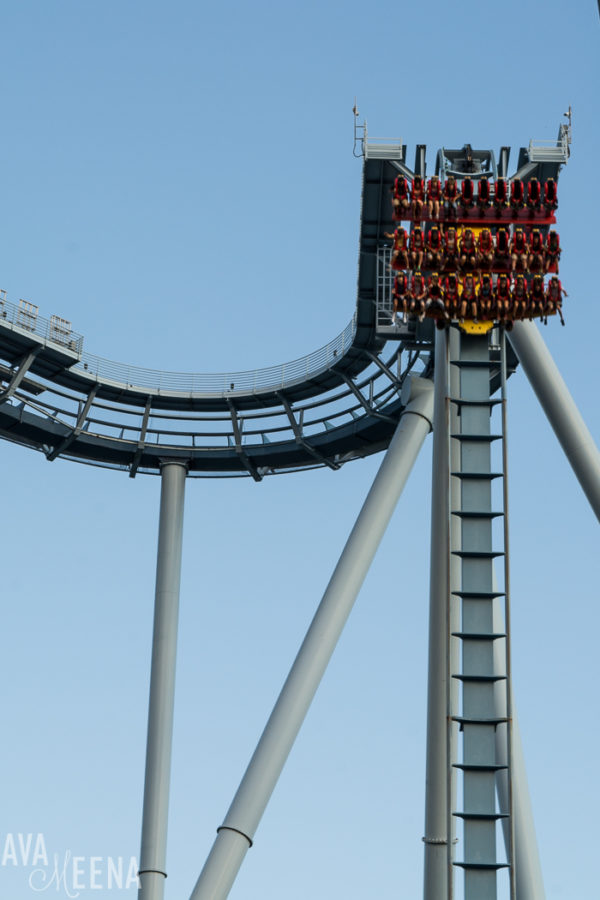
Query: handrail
x,y
24,316
272,378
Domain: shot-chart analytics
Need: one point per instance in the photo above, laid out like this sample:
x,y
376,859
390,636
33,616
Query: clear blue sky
x,y
178,181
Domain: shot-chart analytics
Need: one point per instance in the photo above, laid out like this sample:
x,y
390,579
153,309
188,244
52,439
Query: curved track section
x,y
336,404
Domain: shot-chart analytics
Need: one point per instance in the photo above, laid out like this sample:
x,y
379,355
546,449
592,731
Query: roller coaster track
x,y
336,404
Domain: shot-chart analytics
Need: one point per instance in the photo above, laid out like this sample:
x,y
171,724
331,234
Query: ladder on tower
x,y
481,754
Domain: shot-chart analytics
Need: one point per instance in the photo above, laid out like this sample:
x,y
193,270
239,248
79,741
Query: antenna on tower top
x,y
360,132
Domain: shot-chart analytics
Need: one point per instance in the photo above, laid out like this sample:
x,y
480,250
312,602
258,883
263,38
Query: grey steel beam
x,y
237,435
402,168
444,621
19,374
363,402
236,834
83,412
437,873
142,440
560,408
152,872
382,366
299,436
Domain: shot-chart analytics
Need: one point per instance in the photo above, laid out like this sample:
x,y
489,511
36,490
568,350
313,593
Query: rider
x,y
468,298
537,298
418,295
417,197
468,251
554,295
502,293
450,249
434,197
435,291
401,197
434,250
400,249
536,258
552,251
518,251
417,247
520,297
451,294
485,250
486,297
450,196
400,294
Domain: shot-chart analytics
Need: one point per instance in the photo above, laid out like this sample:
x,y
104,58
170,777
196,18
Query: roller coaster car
x,y
413,201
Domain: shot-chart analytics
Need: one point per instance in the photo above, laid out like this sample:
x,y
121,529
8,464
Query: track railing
x,y
24,316
272,378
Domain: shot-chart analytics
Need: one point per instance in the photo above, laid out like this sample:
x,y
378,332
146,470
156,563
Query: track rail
x,y
338,403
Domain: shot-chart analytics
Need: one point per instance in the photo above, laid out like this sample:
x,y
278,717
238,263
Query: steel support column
x,y
444,620
162,683
437,873
236,834
560,408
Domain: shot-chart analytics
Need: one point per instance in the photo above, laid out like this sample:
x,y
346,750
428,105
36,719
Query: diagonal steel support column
x,y
528,869
162,683
560,408
236,834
